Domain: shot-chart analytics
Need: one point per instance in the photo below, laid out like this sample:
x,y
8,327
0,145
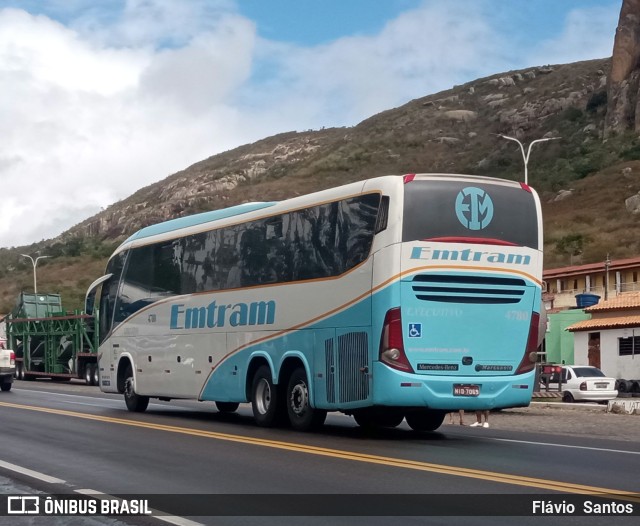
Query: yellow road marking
x,y
518,480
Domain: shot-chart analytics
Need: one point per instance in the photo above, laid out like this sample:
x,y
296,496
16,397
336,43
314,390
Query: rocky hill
x,y
452,131
589,179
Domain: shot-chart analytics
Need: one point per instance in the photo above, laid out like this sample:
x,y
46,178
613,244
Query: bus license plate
x,y
466,390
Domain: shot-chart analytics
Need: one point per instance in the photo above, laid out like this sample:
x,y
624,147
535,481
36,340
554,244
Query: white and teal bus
x,y
395,297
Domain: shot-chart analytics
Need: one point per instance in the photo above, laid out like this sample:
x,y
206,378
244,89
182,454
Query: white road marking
x,y
30,473
55,393
113,401
566,445
171,519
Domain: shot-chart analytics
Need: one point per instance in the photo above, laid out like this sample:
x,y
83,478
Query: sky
x,y
99,98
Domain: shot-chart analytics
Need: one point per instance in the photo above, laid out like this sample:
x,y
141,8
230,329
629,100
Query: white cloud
x,y
203,72
84,124
107,102
420,52
588,34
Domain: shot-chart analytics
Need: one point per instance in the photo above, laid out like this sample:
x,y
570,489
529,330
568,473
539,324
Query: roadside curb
x,y
598,408
617,406
624,406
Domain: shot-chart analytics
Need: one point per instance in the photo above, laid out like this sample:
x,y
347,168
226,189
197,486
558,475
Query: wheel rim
x,y
299,399
263,396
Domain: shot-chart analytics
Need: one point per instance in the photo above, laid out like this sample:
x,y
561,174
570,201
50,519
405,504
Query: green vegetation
x,y
425,135
72,267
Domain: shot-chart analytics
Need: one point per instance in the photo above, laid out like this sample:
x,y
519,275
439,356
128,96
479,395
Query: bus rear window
x,y
470,210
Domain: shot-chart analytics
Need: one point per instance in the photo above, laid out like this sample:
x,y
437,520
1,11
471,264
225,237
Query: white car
x,y
7,368
584,383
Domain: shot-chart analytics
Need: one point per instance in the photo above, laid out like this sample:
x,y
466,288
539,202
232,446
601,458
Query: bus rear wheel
x,y
425,419
135,402
302,416
264,398
227,407
373,419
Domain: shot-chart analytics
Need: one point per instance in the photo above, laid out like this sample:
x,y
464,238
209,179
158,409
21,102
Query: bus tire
x,y
227,407
264,398
302,416
95,374
425,420
372,419
390,418
135,402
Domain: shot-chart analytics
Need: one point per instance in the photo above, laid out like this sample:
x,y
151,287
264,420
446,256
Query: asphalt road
x,y
88,441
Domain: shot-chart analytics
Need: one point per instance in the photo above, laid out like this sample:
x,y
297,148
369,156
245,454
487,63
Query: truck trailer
x,y
50,342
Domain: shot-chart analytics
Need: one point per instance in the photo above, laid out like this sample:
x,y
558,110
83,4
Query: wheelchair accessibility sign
x,y
415,330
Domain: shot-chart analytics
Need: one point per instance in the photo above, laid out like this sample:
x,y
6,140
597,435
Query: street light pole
x,y
34,263
525,157
607,264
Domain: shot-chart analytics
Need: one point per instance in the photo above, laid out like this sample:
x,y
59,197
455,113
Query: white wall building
x,y
610,340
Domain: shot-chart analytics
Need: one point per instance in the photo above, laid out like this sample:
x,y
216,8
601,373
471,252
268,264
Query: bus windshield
x,y
441,209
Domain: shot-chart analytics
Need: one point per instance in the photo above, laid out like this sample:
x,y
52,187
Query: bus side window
x,y
357,222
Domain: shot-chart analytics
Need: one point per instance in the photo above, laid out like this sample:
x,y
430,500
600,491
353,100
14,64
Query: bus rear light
x,y
528,361
526,187
408,178
391,342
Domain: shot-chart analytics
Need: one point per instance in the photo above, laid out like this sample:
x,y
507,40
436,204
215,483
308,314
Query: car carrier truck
x,y
51,343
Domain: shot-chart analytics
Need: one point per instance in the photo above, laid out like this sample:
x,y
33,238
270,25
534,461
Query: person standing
x,y
460,413
478,422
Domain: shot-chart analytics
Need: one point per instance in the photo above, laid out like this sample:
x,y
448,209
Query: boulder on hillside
x,y
623,111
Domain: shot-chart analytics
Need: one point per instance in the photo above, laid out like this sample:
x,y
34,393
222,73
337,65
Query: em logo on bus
x,y
474,208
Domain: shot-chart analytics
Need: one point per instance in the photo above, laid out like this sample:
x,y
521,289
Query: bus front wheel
x,y
302,416
135,402
425,420
264,398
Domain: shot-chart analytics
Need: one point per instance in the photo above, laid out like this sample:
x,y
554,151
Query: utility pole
x,y
607,264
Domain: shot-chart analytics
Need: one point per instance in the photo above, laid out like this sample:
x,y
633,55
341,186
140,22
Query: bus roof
x,y
197,219
380,182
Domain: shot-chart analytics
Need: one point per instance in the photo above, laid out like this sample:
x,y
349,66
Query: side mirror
x,y
89,301
90,297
